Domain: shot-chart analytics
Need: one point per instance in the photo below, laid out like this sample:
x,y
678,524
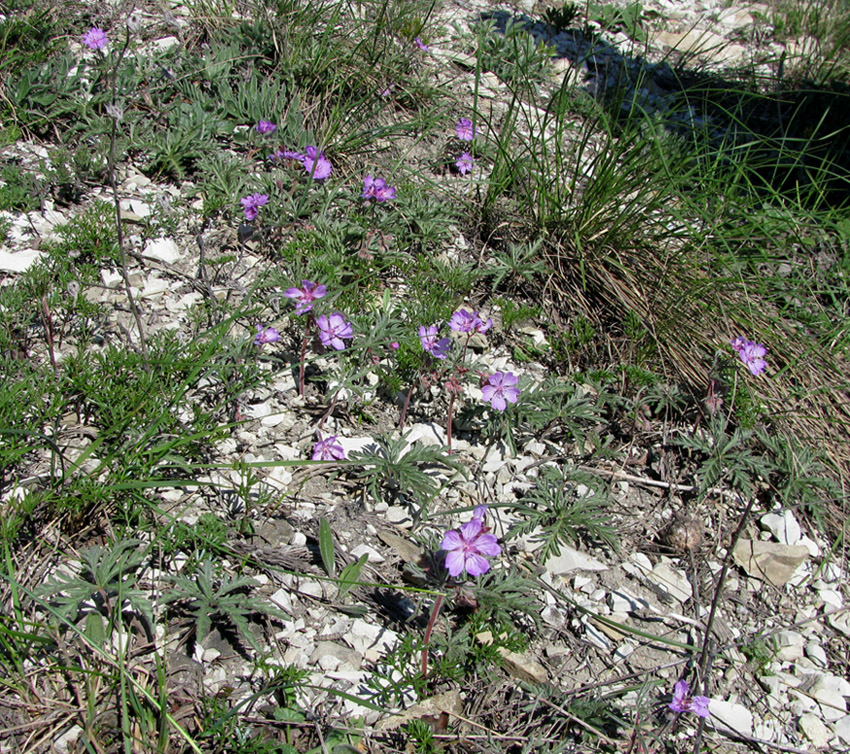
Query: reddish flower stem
x,y
403,418
449,424
435,611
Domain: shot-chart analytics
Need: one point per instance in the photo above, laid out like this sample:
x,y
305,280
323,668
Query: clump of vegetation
x,y
287,241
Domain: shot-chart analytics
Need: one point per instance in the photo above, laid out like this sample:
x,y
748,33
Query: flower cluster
x,y
469,547
500,388
467,132
252,205
752,354
377,189
334,330
683,702
95,38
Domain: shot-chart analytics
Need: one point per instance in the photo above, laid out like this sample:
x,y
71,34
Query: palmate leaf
x,y
566,505
392,468
730,457
211,597
105,583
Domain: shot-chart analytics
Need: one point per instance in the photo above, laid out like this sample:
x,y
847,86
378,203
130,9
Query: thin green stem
x,y
113,134
304,353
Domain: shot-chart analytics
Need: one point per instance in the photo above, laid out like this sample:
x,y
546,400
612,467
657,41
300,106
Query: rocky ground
x,y
622,620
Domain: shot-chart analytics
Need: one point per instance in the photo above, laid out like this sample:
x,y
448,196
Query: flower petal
x,y
476,565
455,562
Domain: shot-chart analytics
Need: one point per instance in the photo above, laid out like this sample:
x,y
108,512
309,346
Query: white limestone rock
x,y
19,261
162,250
572,560
814,729
731,717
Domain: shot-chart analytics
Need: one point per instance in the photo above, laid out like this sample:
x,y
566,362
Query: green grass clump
x,y
18,190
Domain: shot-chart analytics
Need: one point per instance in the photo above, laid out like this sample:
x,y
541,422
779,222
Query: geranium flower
x,y
377,189
682,702
428,338
266,127
501,388
305,295
333,329
279,155
466,321
465,131
752,354
95,38
420,44
328,449
464,163
266,335
468,549
253,203
316,164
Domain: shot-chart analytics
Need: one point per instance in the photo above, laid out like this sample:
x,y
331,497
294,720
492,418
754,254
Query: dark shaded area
x,y
783,135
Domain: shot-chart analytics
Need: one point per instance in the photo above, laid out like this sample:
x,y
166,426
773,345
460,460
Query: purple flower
x,y
253,203
468,549
684,703
437,348
420,44
464,163
377,189
305,295
501,388
466,321
266,335
316,164
394,346
279,155
738,342
752,354
386,92
333,329
328,450
266,127
465,130
95,38
479,512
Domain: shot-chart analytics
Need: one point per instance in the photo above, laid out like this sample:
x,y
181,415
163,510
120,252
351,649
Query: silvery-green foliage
x,y
567,505
212,597
395,471
104,583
